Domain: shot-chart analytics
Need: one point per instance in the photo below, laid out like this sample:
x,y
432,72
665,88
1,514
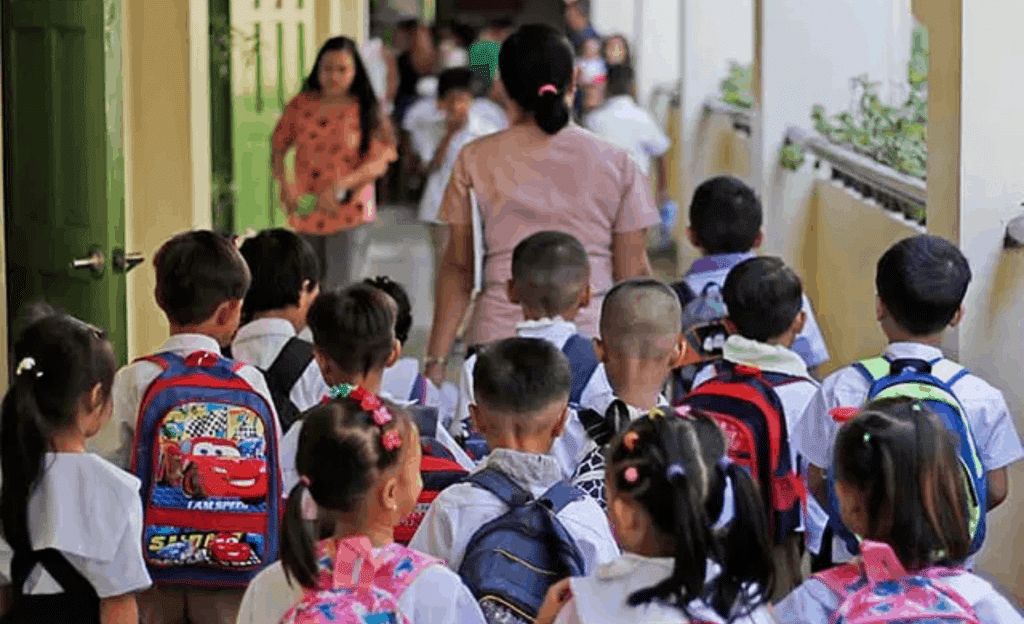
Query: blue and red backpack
x,y
206,450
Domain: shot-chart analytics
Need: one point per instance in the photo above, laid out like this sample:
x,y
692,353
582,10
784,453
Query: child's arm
x,y
121,609
998,487
435,536
816,483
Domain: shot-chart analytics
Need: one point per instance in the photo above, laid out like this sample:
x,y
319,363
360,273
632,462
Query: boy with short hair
x,y
921,282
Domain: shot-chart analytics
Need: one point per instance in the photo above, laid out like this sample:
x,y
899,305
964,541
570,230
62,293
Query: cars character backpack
x,y
206,450
878,589
358,585
931,383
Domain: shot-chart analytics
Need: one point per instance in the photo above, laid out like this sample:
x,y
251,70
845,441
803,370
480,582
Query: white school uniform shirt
x,y
814,603
91,511
622,122
461,509
404,382
437,596
260,342
602,598
810,344
114,442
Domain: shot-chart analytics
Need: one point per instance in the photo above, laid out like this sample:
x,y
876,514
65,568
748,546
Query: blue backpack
x,y
513,560
932,384
206,452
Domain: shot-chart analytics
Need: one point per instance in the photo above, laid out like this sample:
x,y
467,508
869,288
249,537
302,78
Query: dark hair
x,y
725,216
280,262
550,269
681,481
362,89
354,327
521,376
409,24
504,22
68,358
403,318
341,454
456,78
620,80
465,33
763,297
922,280
628,61
901,458
533,57
196,272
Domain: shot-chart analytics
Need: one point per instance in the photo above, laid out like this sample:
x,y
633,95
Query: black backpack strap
x,y
289,366
596,425
684,292
54,562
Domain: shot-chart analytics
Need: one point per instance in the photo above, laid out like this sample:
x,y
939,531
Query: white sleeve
x,y
438,596
810,343
126,572
598,393
816,431
114,441
461,422
435,536
993,608
804,605
996,434
656,143
289,448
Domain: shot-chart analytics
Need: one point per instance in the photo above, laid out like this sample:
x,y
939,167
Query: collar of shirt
x,y
635,413
526,469
718,262
553,330
261,328
913,350
770,358
189,343
620,102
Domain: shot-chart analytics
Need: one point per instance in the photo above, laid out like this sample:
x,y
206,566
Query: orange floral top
x,y
327,141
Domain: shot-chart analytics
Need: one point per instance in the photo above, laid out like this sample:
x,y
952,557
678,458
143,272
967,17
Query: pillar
x,y
350,18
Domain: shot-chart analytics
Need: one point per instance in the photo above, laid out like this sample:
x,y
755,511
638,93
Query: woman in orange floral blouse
x,y
343,144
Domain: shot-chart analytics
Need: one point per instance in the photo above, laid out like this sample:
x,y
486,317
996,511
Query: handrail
x,y
742,118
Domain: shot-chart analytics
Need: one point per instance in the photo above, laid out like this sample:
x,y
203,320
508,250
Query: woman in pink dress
x,y
543,173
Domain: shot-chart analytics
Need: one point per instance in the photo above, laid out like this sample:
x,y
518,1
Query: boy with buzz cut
x,y
921,283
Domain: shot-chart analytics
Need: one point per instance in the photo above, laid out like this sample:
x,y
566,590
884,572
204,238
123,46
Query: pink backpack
x,y
879,590
358,586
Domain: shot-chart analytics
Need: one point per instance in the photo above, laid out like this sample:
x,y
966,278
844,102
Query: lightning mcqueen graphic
x,y
213,467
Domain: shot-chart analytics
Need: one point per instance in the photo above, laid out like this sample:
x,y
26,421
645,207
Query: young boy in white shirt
x,y
521,388
921,282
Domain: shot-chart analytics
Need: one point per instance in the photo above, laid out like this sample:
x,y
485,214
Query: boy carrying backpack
x,y
519,502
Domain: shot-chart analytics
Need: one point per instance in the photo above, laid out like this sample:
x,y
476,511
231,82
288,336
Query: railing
x,y
895,192
742,118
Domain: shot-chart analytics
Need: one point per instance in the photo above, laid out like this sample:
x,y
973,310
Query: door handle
x,y
124,262
96,262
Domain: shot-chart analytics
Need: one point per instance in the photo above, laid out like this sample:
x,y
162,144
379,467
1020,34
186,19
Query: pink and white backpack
x,y
358,585
878,590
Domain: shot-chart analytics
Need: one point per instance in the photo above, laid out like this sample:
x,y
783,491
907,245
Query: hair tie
x,y
631,474
548,88
724,462
308,506
305,481
25,365
630,439
674,470
391,440
867,437
341,391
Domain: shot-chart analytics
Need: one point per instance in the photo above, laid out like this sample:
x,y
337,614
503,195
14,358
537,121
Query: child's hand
x,y
559,594
289,197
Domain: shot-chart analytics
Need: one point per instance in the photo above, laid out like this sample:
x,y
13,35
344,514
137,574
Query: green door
x,y
63,182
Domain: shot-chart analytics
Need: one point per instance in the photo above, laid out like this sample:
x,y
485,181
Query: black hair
x,y
628,61
465,33
901,458
680,480
456,78
280,263
341,455
196,272
620,80
362,89
534,57
521,376
403,318
409,24
550,269
504,22
763,297
354,328
59,361
922,280
725,216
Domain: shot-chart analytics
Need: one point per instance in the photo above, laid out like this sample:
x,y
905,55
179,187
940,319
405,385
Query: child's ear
x,y
388,494
396,353
585,295
599,350
958,317
475,422
327,367
880,310
758,240
229,313
512,292
679,353
798,323
692,237
560,423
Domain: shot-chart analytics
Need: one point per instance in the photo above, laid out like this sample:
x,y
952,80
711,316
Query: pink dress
x,y
525,182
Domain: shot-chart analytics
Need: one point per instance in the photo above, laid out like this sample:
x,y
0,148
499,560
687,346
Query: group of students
x,y
569,481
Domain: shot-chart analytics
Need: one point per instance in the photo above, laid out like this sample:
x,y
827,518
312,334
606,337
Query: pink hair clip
x,y
391,440
631,474
381,416
548,88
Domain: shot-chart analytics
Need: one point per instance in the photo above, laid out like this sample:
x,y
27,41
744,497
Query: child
x,y
899,484
640,344
521,387
284,273
57,496
201,281
359,460
692,529
921,282
725,225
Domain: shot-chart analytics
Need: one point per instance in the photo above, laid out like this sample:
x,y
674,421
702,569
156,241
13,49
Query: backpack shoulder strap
x,y
583,360
596,425
426,420
684,292
290,364
949,372
418,393
560,495
54,562
872,369
502,486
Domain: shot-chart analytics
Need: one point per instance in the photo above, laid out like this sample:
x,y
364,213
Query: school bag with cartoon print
x,y
878,590
704,326
206,450
359,584
931,383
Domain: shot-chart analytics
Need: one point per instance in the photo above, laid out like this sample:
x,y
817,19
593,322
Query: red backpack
x,y
743,402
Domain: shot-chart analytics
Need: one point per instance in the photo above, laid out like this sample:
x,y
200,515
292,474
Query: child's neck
x,y
538,315
371,382
68,442
378,531
900,335
292,314
637,382
205,329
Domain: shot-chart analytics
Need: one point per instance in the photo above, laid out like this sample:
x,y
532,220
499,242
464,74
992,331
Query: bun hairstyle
x,y
536,65
674,468
344,447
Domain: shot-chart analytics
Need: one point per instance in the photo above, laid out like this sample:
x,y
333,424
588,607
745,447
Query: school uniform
x,y
437,596
993,428
404,382
814,603
810,344
461,509
622,122
602,598
91,511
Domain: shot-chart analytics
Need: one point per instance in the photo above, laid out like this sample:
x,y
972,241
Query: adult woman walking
x,y
544,173
343,144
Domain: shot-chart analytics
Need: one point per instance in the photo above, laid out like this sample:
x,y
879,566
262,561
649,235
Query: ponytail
x,y
536,65
23,446
748,568
551,112
298,546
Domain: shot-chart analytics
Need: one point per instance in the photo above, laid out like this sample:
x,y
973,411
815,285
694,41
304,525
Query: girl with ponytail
x,y
691,525
72,521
